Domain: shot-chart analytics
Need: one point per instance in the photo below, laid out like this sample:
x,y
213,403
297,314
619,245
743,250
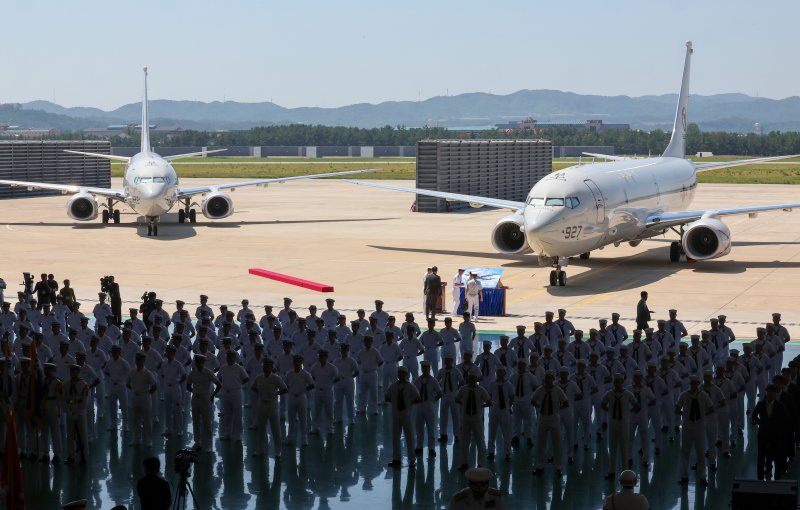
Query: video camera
x,y
183,462
105,283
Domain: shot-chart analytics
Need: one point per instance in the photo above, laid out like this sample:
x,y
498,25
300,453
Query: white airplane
x,y
150,187
583,208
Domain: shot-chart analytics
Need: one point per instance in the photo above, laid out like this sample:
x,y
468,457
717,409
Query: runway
x,y
368,244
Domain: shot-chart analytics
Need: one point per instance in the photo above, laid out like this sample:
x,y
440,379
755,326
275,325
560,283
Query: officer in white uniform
x,y
204,310
330,315
450,380
199,383
472,398
429,393
369,361
551,331
53,390
502,396
299,382
232,377
412,348
693,406
640,415
344,389
380,316
675,327
392,355
524,384
487,362
474,296
267,387
568,414
458,284
325,376
76,395
92,380
478,495
549,400
619,403
173,374
468,334
402,395
567,329
141,384
587,387
116,371
618,331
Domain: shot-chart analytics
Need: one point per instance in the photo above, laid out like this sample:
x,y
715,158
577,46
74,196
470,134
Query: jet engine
x,y
82,207
217,206
508,235
706,238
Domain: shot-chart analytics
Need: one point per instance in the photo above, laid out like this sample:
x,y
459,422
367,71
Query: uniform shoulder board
x,y
460,495
493,492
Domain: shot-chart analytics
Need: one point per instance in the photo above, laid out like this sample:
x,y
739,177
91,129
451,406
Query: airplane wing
x,y
605,156
472,199
191,154
674,219
66,188
188,192
103,156
704,167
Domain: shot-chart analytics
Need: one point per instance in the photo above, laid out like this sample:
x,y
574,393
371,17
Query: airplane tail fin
x,y
677,144
145,123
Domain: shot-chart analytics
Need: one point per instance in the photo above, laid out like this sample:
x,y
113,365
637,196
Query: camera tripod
x,y
180,493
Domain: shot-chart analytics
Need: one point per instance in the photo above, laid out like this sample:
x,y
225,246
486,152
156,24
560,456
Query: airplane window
x,y
554,202
158,180
535,201
573,202
145,180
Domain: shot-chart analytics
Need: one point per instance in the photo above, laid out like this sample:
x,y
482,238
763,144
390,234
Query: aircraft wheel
x,y
181,216
149,230
585,256
675,251
553,278
562,278
105,215
192,216
116,216
155,230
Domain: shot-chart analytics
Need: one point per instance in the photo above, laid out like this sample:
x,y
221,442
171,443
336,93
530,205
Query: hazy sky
x,y
325,53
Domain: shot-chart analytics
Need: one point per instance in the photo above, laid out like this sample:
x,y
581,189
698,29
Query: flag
x,y
11,472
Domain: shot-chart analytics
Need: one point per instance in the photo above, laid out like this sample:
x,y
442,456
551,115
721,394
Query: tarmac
x,y
368,245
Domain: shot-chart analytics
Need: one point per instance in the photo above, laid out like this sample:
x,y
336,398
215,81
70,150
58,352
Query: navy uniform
x,y
299,382
450,380
694,406
478,495
199,383
402,395
472,399
344,390
502,397
325,376
267,387
549,399
429,392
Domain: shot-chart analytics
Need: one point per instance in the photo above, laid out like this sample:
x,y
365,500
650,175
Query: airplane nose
x,y
539,227
151,191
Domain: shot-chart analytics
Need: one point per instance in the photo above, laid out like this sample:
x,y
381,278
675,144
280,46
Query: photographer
x,y
154,492
111,288
147,307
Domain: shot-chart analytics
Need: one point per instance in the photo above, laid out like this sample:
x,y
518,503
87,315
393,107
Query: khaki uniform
x,y
465,500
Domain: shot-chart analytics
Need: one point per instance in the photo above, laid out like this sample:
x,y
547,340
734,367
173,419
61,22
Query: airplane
x,y
587,207
150,186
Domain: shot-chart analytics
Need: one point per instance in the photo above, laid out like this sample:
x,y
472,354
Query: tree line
x,y
623,141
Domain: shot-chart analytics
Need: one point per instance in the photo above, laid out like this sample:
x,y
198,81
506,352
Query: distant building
x,y
531,124
705,154
28,134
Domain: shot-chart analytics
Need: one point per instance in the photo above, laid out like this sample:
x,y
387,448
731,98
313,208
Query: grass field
x,y
784,172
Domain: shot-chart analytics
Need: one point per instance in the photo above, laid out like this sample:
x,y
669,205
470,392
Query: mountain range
x,y
720,112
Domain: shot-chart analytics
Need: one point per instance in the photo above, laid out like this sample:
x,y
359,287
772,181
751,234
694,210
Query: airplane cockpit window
x,y
158,180
143,180
573,202
554,202
534,201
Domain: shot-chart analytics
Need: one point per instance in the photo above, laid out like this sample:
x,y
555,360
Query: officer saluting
x,y
478,494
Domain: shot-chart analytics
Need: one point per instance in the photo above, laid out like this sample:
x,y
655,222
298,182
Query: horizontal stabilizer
x,y
191,154
103,156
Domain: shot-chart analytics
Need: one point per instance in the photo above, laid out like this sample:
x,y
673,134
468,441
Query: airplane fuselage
x,y
613,201
150,184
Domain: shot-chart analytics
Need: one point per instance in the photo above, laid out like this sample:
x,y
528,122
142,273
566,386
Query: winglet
x,y
145,123
677,144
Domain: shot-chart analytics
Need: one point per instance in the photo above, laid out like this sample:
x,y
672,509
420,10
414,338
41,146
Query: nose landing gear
x,y
558,277
152,226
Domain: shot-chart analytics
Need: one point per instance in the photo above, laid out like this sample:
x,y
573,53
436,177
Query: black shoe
x,y
490,456
395,464
570,460
718,443
529,443
431,452
559,472
538,472
703,482
683,481
412,464
586,447
713,467
443,438
418,451
462,467
609,476
515,441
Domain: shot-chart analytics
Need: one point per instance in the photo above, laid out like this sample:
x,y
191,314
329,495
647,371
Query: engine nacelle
x,y
508,235
82,207
217,206
706,238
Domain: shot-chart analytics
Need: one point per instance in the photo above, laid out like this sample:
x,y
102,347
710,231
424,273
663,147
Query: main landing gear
x,y
558,278
152,226
186,212
676,248
109,213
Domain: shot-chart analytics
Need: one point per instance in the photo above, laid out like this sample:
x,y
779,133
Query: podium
x,y
493,304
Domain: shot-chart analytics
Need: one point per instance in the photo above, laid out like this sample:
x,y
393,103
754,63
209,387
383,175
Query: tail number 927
x,y
572,232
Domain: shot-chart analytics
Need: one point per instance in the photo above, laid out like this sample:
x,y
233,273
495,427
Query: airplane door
x,y
599,201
